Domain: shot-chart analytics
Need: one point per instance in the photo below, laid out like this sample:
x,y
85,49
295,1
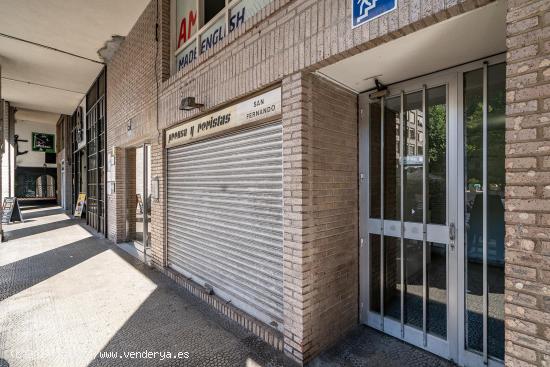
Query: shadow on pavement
x,y
173,320
41,228
23,274
364,346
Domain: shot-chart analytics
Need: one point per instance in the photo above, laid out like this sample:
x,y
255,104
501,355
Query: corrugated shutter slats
x,y
225,224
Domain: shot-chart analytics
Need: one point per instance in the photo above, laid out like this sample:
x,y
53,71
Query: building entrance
x,y
432,213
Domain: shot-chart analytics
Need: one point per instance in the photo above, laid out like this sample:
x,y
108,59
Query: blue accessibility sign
x,y
366,10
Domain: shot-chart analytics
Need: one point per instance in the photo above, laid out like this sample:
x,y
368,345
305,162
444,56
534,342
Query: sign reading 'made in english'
x,y
259,108
364,11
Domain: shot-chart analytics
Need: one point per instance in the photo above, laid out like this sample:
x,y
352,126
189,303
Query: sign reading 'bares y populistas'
x,y
259,108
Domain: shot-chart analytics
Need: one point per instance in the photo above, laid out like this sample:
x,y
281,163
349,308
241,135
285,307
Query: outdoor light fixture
x,y
381,90
188,104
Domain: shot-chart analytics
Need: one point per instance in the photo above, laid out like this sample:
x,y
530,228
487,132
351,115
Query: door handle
x,y
452,235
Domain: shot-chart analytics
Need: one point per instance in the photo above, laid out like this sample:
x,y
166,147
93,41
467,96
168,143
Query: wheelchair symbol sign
x,y
366,10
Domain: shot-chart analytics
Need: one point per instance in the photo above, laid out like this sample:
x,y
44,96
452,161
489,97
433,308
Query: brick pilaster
x,y
528,184
320,214
158,239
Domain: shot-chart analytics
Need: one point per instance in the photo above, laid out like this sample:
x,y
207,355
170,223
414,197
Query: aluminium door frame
x,y
455,209
467,357
436,233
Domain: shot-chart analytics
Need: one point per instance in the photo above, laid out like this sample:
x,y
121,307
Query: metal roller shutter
x,y
225,222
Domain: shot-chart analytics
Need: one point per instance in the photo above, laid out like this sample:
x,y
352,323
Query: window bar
x,y
402,242
485,301
424,218
382,267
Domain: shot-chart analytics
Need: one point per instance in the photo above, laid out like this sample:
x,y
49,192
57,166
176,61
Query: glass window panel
x,y
392,188
496,79
374,159
243,10
436,154
211,8
436,266
187,55
413,170
186,21
214,34
413,283
374,258
473,201
392,277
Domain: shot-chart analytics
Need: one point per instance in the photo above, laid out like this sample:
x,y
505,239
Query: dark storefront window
x,y
96,149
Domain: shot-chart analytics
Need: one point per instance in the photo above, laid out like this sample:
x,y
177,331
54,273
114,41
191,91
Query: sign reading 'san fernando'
x,y
366,10
257,109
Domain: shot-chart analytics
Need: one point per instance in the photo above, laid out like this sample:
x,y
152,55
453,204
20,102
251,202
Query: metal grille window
x,y
96,150
224,210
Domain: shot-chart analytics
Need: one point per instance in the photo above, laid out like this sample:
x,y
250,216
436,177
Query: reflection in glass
x,y
374,274
374,159
436,266
392,189
473,135
413,163
413,283
436,154
392,277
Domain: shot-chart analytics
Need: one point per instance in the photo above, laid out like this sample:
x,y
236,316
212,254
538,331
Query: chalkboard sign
x,y
11,211
80,204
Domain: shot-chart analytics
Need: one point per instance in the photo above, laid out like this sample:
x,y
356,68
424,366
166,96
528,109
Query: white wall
x,y
25,129
8,160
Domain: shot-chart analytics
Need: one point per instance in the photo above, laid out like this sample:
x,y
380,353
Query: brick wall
x,y
132,76
528,184
320,214
282,43
158,253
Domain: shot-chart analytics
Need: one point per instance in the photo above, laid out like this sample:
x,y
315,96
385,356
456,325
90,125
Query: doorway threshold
x,y
133,248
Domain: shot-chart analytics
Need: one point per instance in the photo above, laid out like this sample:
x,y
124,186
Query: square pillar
x,y
527,202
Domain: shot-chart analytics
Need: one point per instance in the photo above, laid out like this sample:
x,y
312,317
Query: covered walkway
x,y
68,298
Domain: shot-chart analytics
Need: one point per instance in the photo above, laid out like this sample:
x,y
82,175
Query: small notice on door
x,y
80,204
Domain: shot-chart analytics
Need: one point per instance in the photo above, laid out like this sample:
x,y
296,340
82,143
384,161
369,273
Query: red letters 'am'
x,y
186,27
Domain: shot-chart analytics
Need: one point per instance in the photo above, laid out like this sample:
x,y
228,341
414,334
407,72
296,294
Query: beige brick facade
x,y
528,184
320,198
284,44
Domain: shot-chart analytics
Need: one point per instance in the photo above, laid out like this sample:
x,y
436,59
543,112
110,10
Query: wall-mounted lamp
x,y
381,90
188,104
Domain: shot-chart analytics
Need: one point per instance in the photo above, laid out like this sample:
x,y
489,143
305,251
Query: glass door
x,y
482,214
432,215
142,200
411,214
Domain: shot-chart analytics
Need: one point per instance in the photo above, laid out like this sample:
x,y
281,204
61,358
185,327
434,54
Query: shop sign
x,y
42,142
364,11
214,34
188,24
259,108
187,20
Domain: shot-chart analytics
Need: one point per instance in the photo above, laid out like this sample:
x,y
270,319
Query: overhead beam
x,y
42,85
50,48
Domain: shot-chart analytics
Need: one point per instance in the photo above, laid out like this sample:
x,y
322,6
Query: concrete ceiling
x,y
461,39
43,78
36,116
